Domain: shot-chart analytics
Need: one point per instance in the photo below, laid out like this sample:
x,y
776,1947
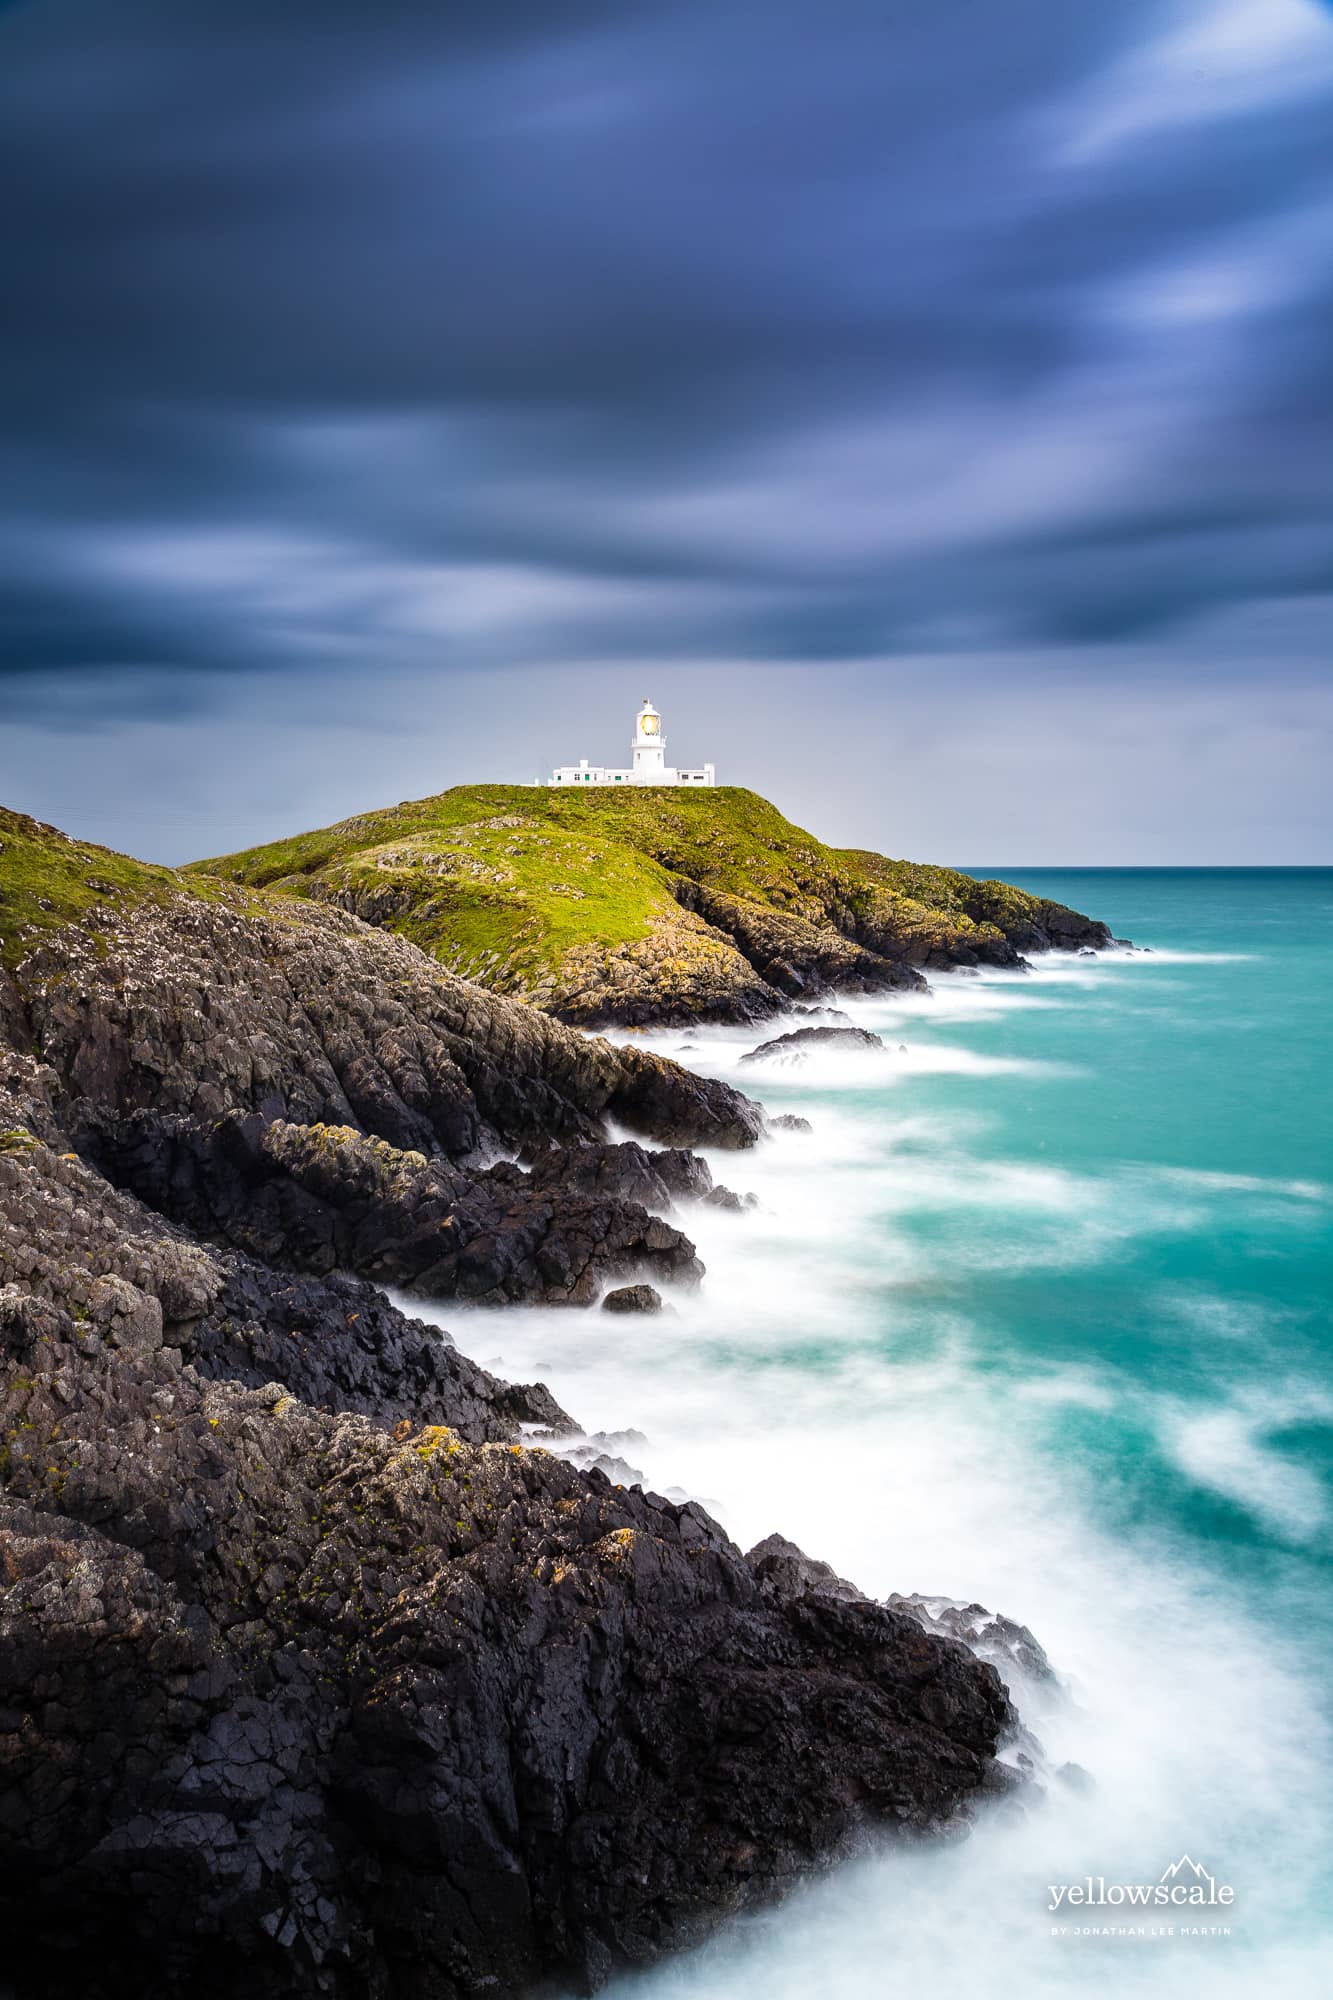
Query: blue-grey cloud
x,y
364,340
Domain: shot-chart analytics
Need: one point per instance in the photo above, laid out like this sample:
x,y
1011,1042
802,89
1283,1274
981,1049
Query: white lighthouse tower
x,y
649,746
649,767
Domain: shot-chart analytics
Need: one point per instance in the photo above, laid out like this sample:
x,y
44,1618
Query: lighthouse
x,y
649,766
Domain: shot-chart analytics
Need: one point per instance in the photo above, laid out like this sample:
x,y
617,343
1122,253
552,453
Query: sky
x,y
928,403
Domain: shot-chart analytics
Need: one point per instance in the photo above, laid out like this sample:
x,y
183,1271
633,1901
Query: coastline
x,y
740,1324
248,1501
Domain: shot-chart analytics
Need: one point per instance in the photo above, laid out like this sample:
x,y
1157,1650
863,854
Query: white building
x,y
649,767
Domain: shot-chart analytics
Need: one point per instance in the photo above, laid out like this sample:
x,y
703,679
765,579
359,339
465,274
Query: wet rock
x,y
631,1172
784,1570
322,1198
633,1299
296,1705
785,1048
732,1204
314,1679
1008,1646
603,1452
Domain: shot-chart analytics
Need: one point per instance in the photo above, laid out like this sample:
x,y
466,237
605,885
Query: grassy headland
x,y
579,901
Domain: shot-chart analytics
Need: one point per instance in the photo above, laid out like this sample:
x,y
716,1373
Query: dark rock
x,y
334,1340
790,1121
735,1205
603,1452
784,1047
628,1171
784,1570
314,1680
1008,1646
197,1011
325,1198
794,958
633,1299
295,1706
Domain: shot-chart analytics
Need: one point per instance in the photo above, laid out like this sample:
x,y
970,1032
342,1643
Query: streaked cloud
x,y
344,352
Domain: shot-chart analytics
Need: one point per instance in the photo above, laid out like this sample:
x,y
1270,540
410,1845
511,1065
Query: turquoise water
x,y
1039,1316
1199,1097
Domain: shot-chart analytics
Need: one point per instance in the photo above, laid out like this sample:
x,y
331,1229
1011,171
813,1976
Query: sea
x,y
1037,1316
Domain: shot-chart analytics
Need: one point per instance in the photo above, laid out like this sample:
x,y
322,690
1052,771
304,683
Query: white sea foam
x,y
831,1381
1227,1449
929,1472
1195,1177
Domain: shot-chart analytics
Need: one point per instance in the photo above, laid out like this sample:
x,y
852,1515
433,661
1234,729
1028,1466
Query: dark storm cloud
x,y
377,335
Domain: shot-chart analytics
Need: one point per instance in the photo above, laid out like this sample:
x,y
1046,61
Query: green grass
x,y
527,889
48,880
477,877
505,883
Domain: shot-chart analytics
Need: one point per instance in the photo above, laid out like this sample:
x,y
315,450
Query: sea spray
x,y
1033,1317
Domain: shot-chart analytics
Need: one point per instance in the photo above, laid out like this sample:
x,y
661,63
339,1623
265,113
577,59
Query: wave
x,y
1227,1451
906,1360
1220,1183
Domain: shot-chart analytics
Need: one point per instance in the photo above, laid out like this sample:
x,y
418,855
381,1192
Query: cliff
x,y
318,1674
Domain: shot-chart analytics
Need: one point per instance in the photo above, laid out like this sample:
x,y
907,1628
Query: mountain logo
x,y
1193,1871
1184,1883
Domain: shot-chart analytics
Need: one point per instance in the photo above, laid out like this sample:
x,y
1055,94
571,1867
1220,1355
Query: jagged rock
x,y
784,1570
633,1299
314,1680
1008,1646
794,957
126,1316
323,1198
199,1011
603,1452
336,1341
657,1180
791,1121
293,1705
785,1048
732,1203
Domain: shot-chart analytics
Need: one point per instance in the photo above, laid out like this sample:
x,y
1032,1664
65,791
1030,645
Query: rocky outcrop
x,y
316,1018
69,1238
659,1180
783,1570
682,969
644,904
294,1704
1009,1647
325,1197
796,958
321,1096
315,1678
633,1299
802,1041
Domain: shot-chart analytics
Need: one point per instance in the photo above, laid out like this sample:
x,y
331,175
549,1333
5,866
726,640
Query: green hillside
x,y
640,903
48,880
